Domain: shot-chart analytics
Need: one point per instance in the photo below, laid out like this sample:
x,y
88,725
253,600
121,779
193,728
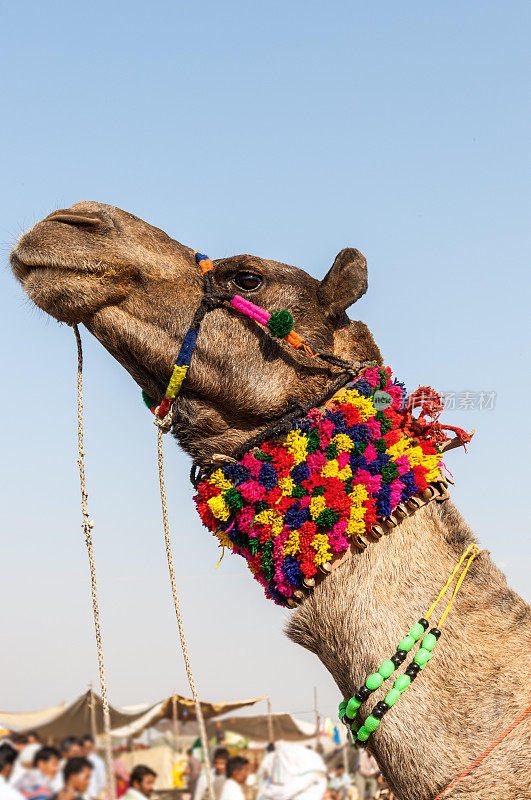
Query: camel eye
x,y
247,281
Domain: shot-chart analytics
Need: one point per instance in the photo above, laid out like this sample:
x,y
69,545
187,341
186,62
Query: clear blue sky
x,y
290,130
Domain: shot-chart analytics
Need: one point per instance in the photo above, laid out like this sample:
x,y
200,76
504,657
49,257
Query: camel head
x,y
136,290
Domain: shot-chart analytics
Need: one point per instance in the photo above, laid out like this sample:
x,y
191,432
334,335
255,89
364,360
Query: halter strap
x,y
278,324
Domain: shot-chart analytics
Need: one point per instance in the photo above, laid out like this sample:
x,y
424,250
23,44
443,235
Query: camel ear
x,y
345,282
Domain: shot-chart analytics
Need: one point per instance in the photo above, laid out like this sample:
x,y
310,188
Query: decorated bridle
x,y
279,325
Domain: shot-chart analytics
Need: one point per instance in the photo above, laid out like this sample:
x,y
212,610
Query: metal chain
x,y
176,603
87,526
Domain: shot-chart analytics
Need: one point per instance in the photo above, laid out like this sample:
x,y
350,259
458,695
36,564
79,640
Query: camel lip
x,y
25,262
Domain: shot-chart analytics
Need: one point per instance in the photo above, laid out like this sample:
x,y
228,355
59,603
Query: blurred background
x,y
289,130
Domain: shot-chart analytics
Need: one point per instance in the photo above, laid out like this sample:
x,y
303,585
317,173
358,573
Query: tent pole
x,y
317,717
271,733
92,706
175,722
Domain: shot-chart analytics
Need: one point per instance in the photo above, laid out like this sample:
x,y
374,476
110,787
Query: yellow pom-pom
x,y
317,504
219,508
219,480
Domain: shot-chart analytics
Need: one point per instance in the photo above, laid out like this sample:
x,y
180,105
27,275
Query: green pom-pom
x,y
261,456
327,518
254,545
233,499
389,473
298,491
331,451
314,441
280,323
148,400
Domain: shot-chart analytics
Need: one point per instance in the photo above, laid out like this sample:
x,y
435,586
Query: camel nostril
x,y
79,219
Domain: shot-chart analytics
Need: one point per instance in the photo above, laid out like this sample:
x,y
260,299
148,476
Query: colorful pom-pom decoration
x,y
280,323
296,503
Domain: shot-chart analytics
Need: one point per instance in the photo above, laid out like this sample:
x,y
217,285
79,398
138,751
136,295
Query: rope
x,y
489,750
87,526
472,556
473,551
283,425
176,603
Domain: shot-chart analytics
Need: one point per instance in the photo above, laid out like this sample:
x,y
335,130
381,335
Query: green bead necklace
x,y
348,709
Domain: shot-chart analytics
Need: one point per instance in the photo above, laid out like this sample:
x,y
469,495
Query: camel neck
x,y
357,615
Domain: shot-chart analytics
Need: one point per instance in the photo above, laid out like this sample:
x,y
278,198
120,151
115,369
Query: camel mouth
x,y
24,264
39,248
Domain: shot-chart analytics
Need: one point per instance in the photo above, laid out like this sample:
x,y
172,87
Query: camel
x,y
135,289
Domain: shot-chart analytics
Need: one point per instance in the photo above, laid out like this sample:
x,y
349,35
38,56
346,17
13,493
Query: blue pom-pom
x,y
295,516
267,476
300,472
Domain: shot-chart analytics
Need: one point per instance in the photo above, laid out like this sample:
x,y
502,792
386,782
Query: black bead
x,y
362,694
425,624
381,706
359,744
436,632
398,657
377,712
347,721
411,671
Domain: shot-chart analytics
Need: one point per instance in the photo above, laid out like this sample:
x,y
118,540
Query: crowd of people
x,y
367,781
237,779
31,770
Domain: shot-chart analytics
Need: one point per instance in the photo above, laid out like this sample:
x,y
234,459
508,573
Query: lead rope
x,y
87,526
176,603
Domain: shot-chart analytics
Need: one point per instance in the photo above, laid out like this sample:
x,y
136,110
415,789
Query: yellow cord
x,y
221,556
471,549
472,556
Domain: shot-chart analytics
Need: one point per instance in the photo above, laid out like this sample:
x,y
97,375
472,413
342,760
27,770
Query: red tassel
x,y
431,405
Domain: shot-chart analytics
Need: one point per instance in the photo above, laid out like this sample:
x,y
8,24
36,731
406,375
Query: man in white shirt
x,y
340,783
219,770
70,748
24,761
365,777
142,783
237,773
293,772
8,756
98,778
37,783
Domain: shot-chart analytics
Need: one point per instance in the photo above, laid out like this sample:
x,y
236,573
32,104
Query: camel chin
x,y
67,294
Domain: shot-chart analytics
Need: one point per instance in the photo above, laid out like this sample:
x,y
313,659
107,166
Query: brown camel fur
x,y
136,289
